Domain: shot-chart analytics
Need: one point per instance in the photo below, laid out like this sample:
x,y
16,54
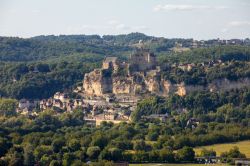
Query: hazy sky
x,y
199,19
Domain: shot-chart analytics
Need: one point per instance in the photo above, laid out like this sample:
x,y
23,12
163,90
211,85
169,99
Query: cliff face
x,y
216,85
167,87
182,89
96,83
133,78
122,85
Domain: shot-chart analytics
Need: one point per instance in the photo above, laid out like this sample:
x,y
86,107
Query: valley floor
x,y
244,147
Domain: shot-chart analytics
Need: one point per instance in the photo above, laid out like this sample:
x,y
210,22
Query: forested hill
x,y
38,67
47,47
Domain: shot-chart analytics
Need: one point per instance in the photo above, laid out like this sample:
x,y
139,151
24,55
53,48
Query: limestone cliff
x,y
216,85
182,89
122,85
167,87
97,83
134,78
153,81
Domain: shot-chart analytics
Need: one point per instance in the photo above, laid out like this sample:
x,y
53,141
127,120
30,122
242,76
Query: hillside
x,y
205,99
50,63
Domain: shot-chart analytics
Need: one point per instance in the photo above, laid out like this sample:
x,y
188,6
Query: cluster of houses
x,y
95,110
208,43
26,107
61,101
189,66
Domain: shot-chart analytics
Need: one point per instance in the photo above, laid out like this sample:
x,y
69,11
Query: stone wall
x,y
142,61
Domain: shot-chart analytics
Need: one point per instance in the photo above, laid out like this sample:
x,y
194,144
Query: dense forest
x,y
36,68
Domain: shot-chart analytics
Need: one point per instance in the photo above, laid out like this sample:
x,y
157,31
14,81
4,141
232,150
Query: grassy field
x,y
155,164
244,147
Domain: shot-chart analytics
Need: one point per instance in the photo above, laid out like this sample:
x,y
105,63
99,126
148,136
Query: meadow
x,y
244,147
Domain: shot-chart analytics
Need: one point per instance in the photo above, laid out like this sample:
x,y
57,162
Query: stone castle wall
x,y
142,61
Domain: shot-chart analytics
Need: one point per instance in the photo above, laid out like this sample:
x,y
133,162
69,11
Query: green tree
x,y
54,163
8,107
57,144
166,155
226,110
115,153
42,150
99,140
186,154
93,152
139,145
4,145
68,158
29,158
74,145
45,159
208,153
233,153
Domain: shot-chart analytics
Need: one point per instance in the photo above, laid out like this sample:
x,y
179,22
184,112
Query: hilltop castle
x,y
138,75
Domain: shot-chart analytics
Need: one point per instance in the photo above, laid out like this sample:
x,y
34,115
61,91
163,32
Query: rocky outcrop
x,y
141,76
122,85
167,87
97,83
153,81
182,89
214,86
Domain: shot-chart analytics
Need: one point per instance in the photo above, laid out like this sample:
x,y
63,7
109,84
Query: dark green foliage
x,y
151,105
231,154
93,152
208,153
199,55
205,106
186,154
8,107
45,139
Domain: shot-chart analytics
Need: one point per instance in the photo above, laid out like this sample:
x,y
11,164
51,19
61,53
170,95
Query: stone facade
x,y
142,60
111,63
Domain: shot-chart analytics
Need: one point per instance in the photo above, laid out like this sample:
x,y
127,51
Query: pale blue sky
x,y
199,19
